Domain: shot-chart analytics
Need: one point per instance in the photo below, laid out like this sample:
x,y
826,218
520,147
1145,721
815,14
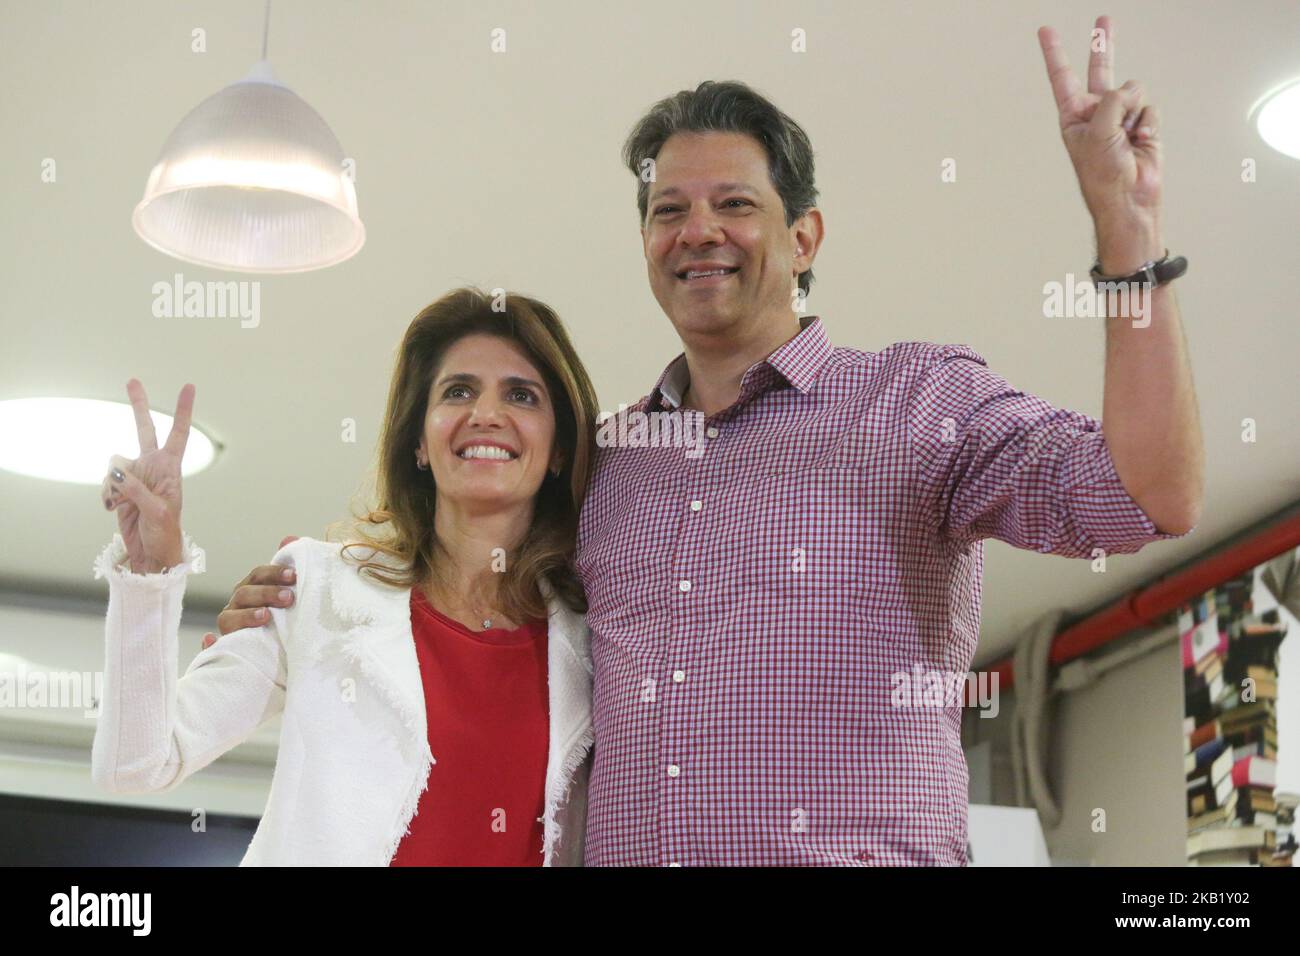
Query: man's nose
x,y
702,226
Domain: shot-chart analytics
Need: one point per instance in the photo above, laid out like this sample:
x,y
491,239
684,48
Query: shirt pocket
x,y
803,530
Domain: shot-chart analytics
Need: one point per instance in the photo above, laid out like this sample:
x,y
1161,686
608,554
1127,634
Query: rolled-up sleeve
x,y
996,462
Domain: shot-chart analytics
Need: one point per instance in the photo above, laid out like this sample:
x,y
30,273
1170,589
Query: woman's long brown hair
x,y
401,525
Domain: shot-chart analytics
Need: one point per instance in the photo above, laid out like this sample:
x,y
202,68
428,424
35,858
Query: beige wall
x,y
1115,745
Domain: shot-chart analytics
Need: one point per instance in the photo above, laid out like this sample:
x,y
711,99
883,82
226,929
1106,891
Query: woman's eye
x,y
525,394
450,393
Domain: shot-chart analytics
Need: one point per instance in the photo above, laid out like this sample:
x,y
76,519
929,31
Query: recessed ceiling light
x,y
72,439
1277,117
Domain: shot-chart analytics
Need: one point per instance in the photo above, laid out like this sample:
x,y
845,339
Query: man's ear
x,y
807,232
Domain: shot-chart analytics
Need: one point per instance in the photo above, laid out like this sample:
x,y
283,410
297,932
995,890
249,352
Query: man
x,y
752,606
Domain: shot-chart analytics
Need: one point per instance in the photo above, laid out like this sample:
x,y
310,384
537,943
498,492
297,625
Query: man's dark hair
x,y
730,107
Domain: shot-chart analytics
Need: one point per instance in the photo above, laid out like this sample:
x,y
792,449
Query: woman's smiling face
x,y
489,431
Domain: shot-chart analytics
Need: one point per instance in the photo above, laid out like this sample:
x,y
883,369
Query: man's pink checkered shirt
x,y
751,607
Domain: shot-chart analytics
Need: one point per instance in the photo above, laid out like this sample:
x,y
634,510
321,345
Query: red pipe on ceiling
x,y
1148,604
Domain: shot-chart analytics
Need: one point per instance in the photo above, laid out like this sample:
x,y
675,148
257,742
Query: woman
x,y
433,674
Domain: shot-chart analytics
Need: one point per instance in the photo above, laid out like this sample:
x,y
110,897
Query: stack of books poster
x,y
1230,728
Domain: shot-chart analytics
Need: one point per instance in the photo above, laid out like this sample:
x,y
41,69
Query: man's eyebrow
x,y
513,381
721,188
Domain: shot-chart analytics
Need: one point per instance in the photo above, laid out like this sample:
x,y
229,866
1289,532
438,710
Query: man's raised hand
x,y
1113,138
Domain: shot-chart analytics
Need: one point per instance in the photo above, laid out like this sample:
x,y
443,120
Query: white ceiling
x,y
503,170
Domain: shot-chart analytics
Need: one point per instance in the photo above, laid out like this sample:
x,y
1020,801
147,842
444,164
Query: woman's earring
x,y
420,463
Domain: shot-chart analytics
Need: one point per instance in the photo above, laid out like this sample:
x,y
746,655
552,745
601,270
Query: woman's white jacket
x,y
340,666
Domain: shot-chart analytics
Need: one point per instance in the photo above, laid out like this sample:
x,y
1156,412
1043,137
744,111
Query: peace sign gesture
x,y
1112,135
146,492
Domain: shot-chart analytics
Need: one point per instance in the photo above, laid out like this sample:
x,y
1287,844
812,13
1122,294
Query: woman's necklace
x,y
484,617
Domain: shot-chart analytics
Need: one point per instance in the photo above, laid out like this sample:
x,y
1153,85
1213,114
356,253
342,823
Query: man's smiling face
x,y
712,207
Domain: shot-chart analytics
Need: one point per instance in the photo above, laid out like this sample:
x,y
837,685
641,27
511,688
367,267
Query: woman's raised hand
x,y
146,492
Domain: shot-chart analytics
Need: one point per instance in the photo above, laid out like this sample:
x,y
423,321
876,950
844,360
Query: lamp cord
x,y
266,27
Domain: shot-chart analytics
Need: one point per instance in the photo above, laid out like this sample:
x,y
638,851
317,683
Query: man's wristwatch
x,y
1156,272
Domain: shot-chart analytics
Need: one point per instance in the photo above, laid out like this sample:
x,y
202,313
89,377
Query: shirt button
x,y
697,505
679,676
711,432
673,770
683,585
674,864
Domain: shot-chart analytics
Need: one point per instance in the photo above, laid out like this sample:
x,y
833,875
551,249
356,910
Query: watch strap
x,y
1155,272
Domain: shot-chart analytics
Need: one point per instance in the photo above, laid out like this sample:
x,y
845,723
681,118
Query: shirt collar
x,y
798,362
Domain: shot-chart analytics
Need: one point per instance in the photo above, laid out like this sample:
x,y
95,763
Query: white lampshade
x,y
252,180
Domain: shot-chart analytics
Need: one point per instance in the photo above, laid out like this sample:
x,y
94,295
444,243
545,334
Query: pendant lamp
x,y
252,180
